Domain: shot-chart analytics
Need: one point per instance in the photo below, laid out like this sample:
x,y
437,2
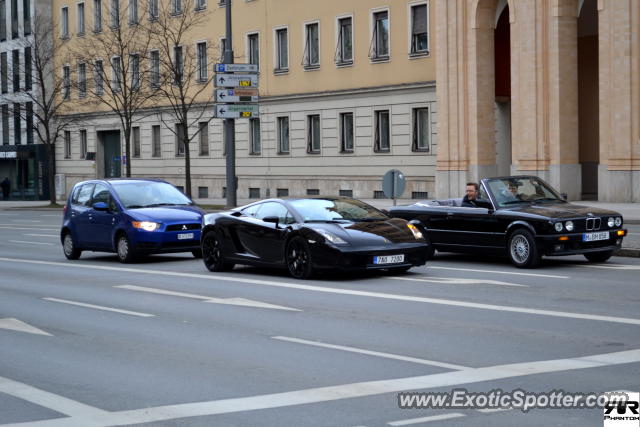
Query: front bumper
x,y
165,241
344,258
572,244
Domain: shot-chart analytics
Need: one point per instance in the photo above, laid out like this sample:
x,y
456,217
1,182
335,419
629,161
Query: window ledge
x,y
311,67
313,152
97,31
284,153
420,150
346,151
383,151
280,71
378,59
343,64
416,55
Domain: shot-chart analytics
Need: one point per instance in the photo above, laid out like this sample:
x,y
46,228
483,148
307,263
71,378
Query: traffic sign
x,y
236,80
393,183
236,68
237,111
236,95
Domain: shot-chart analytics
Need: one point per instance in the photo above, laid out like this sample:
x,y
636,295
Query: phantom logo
x,y
622,407
622,412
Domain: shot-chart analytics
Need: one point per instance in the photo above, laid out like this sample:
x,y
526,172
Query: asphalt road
x,y
164,342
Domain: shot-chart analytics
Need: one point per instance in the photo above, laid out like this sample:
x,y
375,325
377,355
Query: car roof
x,y
287,200
122,180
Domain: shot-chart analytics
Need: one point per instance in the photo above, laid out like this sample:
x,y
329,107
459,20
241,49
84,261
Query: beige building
x,y
545,87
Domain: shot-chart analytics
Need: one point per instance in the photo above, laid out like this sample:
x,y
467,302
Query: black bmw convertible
x,y
308,235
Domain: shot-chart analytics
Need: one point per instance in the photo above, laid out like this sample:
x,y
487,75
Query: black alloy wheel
x,y
212,253
298,258
598,256
522,249
126,254
69,247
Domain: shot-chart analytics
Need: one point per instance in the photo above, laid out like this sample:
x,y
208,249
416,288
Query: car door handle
x,y
449,214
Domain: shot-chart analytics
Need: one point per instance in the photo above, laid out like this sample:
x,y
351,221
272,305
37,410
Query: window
x,y
134,64
180,140
283,135
82,80
29,122
201,4
155,69
421,195
5,125
14,19
420,129
223,46
15,56
26,13
178,63
67,145
254,128
380,40
203,192
313,134
80,19
344,51
135,136
254,193
84,195
419,30
154,11
202,61
28,69
346,132
83,143
312,46
98,77
97,16
176,6
282,50
378,194
3,20
155,141
382,131
17,131
116,70
133,12
253,45
204,138
282,192
66,82
4,71
115,14
64,23
313,192
346,193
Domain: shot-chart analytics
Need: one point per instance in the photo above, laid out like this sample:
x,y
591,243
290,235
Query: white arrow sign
x,y
236,80
17,325
236,95
237,111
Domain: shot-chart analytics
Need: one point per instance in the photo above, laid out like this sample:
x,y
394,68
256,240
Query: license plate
x,y
592,237
185,236
388,259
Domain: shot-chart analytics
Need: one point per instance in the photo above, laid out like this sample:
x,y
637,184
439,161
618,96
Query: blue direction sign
x,y
236,68
236,95
237,111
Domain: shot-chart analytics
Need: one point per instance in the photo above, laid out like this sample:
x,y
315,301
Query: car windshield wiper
x,y
331,221
135,206
549,199
513,202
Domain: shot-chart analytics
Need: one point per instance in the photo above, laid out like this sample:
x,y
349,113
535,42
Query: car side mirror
x,y
273,219
564,196
101,206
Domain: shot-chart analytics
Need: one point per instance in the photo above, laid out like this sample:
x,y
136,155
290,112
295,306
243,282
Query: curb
x,y
628,252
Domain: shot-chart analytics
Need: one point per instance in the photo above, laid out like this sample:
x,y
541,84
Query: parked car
x,y
130,217
309,235
522,217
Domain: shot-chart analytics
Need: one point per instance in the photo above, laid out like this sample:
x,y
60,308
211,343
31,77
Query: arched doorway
x,y
502,67
588,97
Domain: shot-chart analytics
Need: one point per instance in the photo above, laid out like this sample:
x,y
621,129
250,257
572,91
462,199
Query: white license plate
x,y
592,237
388,259
185,236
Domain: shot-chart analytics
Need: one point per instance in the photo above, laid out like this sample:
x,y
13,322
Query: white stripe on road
x,y
613,266
99,307
345,391
426,419
20,326
338,291
373,353
31,243
43,235
492,410
515,273
48,400
26,220
457,281
10,227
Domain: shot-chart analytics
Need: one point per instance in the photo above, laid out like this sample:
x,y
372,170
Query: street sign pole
x,y
230,124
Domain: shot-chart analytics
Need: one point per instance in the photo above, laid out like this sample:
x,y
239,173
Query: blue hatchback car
x,y
129,217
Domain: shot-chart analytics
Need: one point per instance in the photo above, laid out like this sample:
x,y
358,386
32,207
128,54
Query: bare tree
x,y
122,45
184,73
45,90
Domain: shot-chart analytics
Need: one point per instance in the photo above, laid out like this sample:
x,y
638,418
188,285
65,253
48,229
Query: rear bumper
x,y
347,259
574,244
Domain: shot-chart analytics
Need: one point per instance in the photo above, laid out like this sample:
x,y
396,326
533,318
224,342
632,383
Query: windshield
x,y
336,210
147,194
515,191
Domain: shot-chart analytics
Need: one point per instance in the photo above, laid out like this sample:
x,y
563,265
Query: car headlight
x,y
146,225
611,222
568,225
336,240
618,221
558,226
416,233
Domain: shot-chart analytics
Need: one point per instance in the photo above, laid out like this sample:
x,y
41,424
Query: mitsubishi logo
x,y
184,226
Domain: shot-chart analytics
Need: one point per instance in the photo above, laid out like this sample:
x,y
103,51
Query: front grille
x,y
183,227
593,224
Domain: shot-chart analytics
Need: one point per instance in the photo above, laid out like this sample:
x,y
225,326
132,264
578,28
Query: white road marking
x,y
49,400
426,419
43,235
57,216
339,291
515,273
373,353
20,326
8,227
99,307
26,220
492,410
228,301
31,243
613,266
457,281
6,214
344,391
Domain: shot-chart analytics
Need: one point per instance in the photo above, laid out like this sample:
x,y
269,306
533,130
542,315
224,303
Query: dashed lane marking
x,y
515,273
31,243
457,281
426,419
99,307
